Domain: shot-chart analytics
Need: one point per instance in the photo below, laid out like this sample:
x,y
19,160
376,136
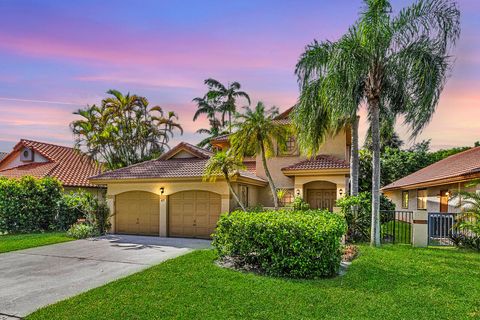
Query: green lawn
x,y
25,241
402,231
394,282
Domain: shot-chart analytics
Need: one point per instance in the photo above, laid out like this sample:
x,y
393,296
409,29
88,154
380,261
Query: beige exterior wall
x,y
169,187
433,200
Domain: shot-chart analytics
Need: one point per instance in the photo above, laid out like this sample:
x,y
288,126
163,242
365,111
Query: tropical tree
x,y
224,164
215,130
227,97
402,62
123,130
258,133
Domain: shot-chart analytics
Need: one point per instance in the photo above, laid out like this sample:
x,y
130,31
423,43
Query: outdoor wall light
x,y
162,190
298,192
340,192
447,193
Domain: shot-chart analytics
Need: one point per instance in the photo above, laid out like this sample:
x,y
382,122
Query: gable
x,y
22,157
183,154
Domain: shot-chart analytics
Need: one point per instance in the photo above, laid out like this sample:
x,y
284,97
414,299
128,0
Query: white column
x,y
420,229
163,216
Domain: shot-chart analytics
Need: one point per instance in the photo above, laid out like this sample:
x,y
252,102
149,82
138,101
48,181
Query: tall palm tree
x,y
402,62
227,97
258,133
223,164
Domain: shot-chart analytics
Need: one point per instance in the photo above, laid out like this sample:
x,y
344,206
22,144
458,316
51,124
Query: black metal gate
x,y
441,227
396,227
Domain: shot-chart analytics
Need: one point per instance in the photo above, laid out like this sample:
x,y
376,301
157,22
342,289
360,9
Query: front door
x,y
444,201
322,198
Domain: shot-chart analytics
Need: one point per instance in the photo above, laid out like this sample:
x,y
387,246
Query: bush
x,y
299,204
82,231
297,244
34,205
29,204
357,211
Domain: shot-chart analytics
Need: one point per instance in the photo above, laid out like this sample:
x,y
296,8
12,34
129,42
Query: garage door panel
x,y
137,212
193,213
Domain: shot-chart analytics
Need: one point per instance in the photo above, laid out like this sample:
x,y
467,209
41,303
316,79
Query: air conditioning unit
x,y
26,155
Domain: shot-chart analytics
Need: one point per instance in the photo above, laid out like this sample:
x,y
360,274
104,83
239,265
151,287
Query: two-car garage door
x,y
190,213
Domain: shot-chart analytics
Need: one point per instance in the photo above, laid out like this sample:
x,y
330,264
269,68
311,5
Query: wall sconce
x,y
447,193
298,192
340,192
162,190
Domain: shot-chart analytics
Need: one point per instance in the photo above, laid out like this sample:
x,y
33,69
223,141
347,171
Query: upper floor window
x,y
290,147
405,199
422,197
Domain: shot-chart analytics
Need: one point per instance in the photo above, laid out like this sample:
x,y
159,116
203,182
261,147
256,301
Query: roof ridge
x,y
46,143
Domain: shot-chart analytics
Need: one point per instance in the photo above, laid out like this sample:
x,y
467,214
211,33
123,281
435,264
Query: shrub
x,y
297,244
82,231
32,205
357,211
29,204
299,204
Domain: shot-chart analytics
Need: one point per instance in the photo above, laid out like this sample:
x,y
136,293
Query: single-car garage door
x,y
137,212
193,213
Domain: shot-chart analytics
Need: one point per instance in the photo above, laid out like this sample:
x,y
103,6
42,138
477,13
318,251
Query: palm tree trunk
x,y
374,106
354,159
235,195
269,178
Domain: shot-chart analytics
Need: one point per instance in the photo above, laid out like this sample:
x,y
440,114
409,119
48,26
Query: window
x,y
404,199
290,147
244,195
422,199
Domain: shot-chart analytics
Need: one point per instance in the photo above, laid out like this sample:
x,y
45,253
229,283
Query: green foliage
x,y
299,204
398,163
12,242
357,211
468,221
124,130
29,204
257,133
297,244
32,205
82,231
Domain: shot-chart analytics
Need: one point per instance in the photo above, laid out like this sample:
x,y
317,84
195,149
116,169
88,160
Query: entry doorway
x,y
322,198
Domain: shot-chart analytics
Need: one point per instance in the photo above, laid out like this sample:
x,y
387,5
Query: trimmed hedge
x,y
296,244
36,205
29,204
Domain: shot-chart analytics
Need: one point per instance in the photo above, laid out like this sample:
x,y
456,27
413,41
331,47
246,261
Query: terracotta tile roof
x,y
171,168
318,163
64,163
196,151
461,164
222,138
2,155
250,165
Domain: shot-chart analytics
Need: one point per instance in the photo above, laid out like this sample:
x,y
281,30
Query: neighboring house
x,y
38,159
167,196
433,188
2,155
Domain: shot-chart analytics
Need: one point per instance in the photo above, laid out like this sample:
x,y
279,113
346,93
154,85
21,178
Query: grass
x,y
392,282
25,241
401,229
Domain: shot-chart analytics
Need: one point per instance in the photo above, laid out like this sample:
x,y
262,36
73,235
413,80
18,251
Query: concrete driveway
x,y
33,278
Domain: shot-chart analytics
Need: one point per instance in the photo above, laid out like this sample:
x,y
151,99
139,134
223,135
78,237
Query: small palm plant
x,y
469,217
257,133
224,164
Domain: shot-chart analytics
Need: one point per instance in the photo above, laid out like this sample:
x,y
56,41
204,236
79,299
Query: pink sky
x,y
58,57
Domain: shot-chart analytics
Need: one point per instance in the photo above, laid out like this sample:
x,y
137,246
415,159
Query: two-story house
x,y
168,197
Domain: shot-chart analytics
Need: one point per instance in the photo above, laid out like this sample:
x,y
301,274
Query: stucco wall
x,y
433,200
335,146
